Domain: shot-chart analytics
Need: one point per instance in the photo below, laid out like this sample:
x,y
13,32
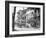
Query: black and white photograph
x,y
25,18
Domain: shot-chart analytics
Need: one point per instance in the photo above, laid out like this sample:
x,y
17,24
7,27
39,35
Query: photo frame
x,y
24,18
